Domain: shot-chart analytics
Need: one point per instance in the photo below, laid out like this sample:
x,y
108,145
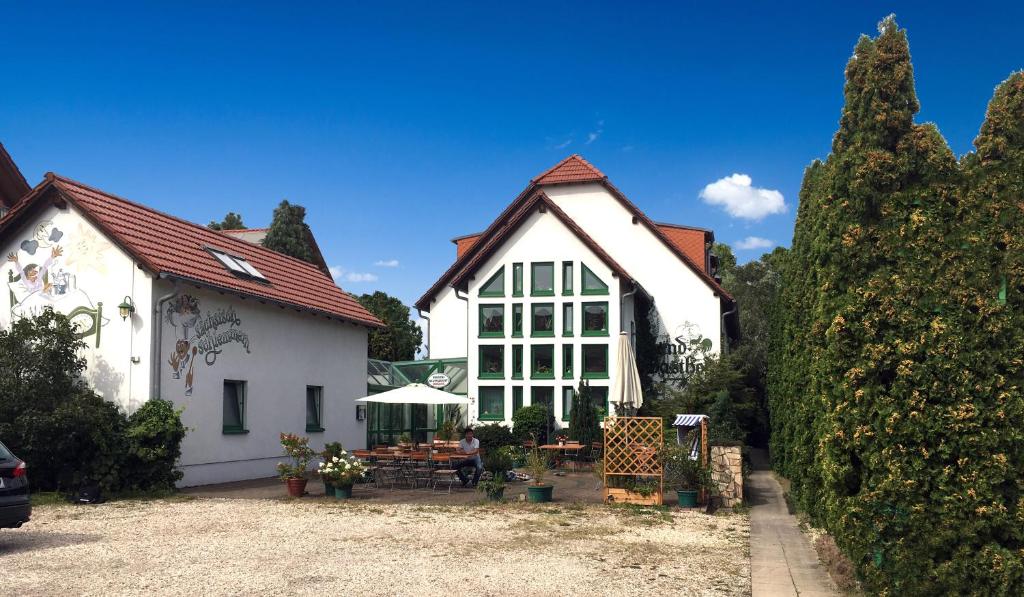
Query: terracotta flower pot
x,y
296,486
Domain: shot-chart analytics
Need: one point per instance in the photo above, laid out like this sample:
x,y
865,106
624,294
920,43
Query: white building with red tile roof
x,y
535,303
248,341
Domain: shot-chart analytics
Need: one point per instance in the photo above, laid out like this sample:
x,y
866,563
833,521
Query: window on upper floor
x,y
591,283
595,319
517,279
543,319
542,279
495,285
492,361
595,361
567,278
492,321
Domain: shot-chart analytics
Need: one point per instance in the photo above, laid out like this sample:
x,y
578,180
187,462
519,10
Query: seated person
x,y
470,447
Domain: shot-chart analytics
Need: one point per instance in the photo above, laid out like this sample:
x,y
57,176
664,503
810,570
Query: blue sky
x,y
400,126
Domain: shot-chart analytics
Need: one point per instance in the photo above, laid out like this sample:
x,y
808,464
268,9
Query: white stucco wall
x,y
541,238
96,271
681,298
287,350
448,320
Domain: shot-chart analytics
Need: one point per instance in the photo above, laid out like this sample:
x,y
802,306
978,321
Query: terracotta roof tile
x,y
464,244
172,246
690,241
572,169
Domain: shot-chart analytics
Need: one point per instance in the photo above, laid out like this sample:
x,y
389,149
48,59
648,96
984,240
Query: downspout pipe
x,y
426,317
622,310
157,336
725,334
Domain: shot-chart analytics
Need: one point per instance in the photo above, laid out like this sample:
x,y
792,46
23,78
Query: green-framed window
x,y
517,361
599,397
517,279
492,361
492,403
595,319
492,321
543,396
542,361
234,407
542,279
567,395
567,319
314,409
567,361
567,278
591,284
517,398
495,285
594,361
517,320
542,319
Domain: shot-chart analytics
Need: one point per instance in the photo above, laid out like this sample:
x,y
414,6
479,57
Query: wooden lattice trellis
x,y
631,446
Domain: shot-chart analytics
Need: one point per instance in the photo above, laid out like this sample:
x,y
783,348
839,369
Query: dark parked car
x,y
15,507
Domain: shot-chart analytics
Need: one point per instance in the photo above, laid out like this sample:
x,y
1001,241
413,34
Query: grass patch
x,y
56,498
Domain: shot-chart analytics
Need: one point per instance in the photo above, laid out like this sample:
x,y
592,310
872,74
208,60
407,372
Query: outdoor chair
x,y
443,472
596,452
572,454
420,469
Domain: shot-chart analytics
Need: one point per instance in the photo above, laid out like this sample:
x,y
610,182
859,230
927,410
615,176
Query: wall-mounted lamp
x,y
126,308
360,412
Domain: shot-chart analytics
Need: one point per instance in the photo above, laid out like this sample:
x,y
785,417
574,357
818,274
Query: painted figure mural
x,y
198,334
41,276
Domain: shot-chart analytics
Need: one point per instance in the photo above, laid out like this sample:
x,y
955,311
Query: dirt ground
x,y
204,546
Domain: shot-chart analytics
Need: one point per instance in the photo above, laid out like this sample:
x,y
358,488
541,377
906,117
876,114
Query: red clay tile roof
x,y
691,241
172,247
572,169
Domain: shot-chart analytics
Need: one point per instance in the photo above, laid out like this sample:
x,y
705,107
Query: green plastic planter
x,y
343,492
328,489
539,494
687,498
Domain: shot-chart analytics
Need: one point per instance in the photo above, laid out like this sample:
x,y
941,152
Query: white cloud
x,y
336,271
358,277
387,263
593,135
755,242
564,144
742,200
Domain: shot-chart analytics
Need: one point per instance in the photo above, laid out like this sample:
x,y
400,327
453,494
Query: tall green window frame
x,y
492,321
594,361
517,361
517,320
543,396
492,403
599,398
517,398
492,362
568,393
590,283
594,319
234,407
567,278
567,355
542,278
567,319
314,409
517,279
542,361
495,285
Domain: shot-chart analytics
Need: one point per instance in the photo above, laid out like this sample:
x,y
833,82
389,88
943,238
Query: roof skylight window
x,y
237,265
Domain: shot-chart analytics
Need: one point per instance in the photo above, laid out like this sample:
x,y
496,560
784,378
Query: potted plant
x,y
561,438
341,471
405,440
331,450
537,462
684,474
293,473
497,462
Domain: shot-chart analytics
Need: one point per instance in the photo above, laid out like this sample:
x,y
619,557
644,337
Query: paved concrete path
x,y
782,561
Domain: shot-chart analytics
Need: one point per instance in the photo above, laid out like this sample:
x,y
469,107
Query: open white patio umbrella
x,y
415,393
626,384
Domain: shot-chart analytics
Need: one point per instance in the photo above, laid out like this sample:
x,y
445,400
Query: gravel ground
x,y
228,546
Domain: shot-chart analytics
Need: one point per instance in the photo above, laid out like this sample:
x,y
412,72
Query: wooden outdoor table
x,y
576,447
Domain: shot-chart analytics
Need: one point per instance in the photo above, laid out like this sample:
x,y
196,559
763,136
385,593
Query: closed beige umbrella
x,y
625,389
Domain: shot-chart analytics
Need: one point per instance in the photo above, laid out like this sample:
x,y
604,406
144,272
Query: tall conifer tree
x,y
289,233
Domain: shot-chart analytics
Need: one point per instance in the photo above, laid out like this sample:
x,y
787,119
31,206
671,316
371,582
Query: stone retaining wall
x,y
727,473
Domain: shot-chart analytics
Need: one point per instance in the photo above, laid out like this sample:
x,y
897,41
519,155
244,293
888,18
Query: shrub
x,y
531,422
493,436
155,433
498,461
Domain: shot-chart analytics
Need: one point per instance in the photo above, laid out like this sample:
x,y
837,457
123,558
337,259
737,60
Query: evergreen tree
x,y
402,337
288,233
231,221
583,422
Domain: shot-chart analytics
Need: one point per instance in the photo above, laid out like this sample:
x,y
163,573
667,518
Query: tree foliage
x,y
584,425
231,221
402,337
289,234
894,381
66,433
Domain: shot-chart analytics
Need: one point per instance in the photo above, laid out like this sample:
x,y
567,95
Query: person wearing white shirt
x,y
470,447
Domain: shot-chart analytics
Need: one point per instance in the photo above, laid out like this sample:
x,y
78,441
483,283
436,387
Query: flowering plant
x,y
561,438
297,449
341,470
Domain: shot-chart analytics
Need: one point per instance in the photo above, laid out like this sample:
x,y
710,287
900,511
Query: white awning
x,y
415,393
688,420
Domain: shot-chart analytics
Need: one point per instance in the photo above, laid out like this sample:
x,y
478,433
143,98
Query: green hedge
x,y
895,386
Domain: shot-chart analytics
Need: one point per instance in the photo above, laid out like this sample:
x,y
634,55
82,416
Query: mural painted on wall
x,y
683,353
43,274
200,334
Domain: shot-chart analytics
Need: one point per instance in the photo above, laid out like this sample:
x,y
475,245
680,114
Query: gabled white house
x,y
248,341
536,302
